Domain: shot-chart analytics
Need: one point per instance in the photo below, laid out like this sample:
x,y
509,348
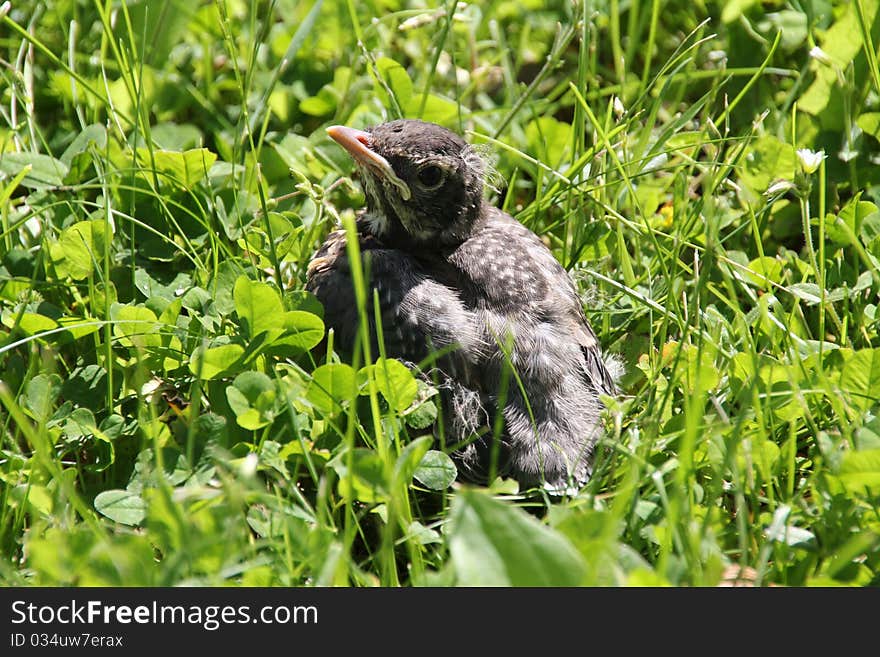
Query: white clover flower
x,y
33,226
248,467
810,160
821,56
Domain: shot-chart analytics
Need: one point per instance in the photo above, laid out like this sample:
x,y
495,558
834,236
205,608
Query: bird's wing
x,y
565,299
595,369
329,278
419,315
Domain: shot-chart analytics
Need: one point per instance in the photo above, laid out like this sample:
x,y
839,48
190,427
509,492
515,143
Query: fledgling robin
x,y
462,279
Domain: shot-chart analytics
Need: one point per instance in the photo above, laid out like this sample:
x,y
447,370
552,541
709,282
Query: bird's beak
x,y
357,143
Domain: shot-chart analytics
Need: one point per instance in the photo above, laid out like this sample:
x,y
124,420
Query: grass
x,y
165,178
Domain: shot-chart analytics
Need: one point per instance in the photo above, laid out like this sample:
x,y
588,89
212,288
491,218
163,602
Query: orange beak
x,y
357,143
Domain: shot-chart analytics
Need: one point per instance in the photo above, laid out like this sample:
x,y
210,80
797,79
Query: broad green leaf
x,y
40,395
395,382
860,376
245,416
329,95
87,387
870,229
112,427
436,471
762,271
297,153
870,122
701,370
34,495
295,449
868,436
644,577
258,306
222,285
768,159
170,313
808,292
30,323
549,140
361,475
496,544
77,327
215,361
319,105
183,169
176,136
81,248
252,398
135,326
43,172
396,79
422,416
304,30
122,506
860,471
275,234
852,216
270,456
150,287
437,109
80,423
176,468
409,459
684,140
78,555
36,324
198,300
304,301
276,521
735,8
102,451
302,331
840,43
78,155
156,28
287,235
210,429
764,453
331,386
253,384
103,297
742,367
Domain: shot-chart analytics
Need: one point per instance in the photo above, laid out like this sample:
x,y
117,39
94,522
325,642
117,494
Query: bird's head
x,y
423,183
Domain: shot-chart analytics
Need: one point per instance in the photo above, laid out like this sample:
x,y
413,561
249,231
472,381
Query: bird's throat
x,y
376,223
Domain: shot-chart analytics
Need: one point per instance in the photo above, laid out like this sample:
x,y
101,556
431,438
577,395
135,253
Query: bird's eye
x,y
430,176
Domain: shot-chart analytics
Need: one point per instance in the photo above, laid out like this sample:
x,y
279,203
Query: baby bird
x,y
466,283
